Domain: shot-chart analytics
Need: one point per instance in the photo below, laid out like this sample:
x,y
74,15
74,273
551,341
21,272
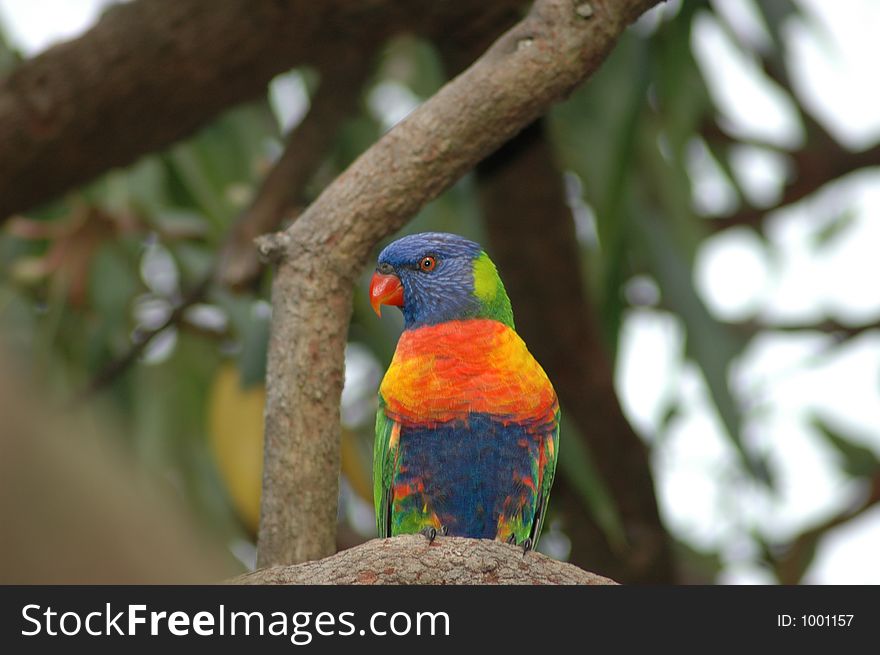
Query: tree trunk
x,y
535,64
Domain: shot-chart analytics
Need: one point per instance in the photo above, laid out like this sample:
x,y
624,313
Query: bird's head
x,y
435,277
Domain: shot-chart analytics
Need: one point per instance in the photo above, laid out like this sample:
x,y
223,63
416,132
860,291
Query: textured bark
x,y
535,64
153,71
411,560
532,234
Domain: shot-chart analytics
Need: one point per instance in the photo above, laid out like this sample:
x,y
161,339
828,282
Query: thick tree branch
x,y
153,71
532,233
535,64
410,560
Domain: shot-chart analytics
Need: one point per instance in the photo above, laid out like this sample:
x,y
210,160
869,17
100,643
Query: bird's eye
x,y
427,264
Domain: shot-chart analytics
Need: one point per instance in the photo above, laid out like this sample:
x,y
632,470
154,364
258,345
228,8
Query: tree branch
x,y
153,71
410,560
282,188
535,64
531,229
840,331
791,563
815,165
141,340
820,161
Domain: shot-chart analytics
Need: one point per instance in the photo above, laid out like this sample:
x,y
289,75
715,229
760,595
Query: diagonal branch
x,y
307,145
141,340
535,64
820,161
794,558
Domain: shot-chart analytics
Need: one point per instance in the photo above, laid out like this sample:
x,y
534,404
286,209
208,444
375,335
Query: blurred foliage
x,y
86,274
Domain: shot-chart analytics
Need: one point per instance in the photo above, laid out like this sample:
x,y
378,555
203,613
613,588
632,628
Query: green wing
x,y
551,451
383,470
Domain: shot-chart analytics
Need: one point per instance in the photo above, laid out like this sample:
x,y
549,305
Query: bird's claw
x,y
526,545
431,532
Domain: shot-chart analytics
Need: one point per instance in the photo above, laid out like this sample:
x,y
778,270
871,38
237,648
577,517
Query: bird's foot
x,y
431,532
526,545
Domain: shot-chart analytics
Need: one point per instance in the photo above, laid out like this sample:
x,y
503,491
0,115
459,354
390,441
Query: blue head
x,y
435,277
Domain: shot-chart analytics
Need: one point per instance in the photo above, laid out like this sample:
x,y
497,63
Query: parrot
x,y
467,428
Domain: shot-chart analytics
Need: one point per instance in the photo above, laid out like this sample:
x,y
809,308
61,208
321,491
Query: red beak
x,y
385,290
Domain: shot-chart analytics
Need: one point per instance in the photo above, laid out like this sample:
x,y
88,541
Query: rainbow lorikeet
x,y
467,431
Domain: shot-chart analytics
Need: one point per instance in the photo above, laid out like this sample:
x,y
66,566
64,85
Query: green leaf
x,y
720,155
9,57
776,13
113,282
835,227
204,192
176,224
601,149
254,346
680,91
250,319
215,171
696,566
709,343
414,62
858,461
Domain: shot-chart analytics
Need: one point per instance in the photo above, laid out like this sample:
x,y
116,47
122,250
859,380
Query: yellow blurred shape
x,y
236,435
356,467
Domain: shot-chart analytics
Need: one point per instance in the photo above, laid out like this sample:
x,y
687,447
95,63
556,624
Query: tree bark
x,y
532,234
153,71
535,64
410,559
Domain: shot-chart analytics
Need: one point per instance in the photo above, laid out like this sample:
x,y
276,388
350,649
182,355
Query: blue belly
x,y
469,474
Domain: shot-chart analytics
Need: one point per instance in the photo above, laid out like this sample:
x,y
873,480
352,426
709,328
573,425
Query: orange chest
x,y
448,371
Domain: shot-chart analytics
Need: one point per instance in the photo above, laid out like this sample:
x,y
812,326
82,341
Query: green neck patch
x,y
489,290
